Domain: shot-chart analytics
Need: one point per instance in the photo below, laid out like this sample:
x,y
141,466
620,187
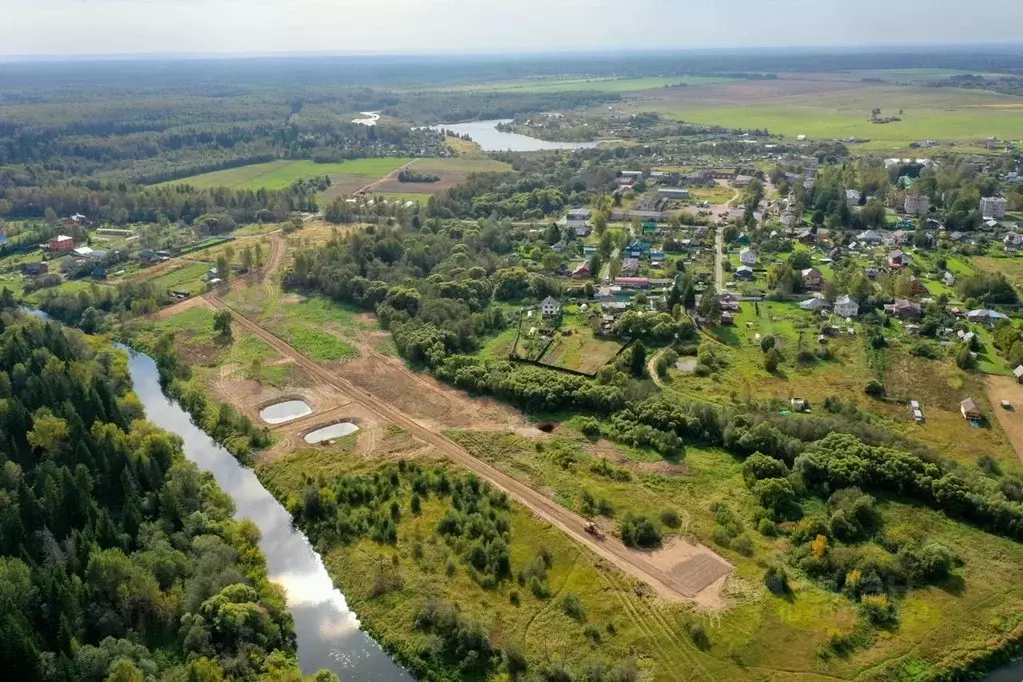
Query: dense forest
x,y
119,560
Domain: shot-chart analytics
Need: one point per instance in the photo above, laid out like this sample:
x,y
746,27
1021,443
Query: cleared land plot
x,y
581,352
1007,388
450,171
281,174
190,277
828,109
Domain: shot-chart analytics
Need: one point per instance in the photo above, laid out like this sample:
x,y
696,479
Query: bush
x,y
743,545
514,599
671,518
879,610
776,580
767,343
698,634
515,661
767,527
771,360
572,607
874,389
640,531
589,427
592,633
538,588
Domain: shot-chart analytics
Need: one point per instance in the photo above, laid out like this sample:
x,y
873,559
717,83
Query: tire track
x,y
570,523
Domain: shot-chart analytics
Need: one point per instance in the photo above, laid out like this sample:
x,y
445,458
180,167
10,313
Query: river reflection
x,y
328,632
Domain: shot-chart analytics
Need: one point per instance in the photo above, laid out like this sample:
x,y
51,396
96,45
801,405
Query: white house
x,y
846,307
852,198
993,207
549,307
948,278
748,257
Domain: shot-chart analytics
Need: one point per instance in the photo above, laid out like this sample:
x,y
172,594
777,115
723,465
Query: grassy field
x,y
837,112
581,351
449,171
191,277
281,174
579,84
758,636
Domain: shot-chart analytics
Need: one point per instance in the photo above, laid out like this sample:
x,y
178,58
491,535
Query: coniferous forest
x,y
119,559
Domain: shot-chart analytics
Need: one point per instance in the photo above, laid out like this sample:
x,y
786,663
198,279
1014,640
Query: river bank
x,y
327,630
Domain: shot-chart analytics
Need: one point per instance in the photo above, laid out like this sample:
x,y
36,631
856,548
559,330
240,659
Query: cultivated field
x,y
347,176
838,109
581,352
450,171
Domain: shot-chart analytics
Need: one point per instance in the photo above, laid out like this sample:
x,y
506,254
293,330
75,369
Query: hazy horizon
x,y
51,29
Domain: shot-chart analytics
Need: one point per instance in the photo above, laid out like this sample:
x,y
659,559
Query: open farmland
x,y
450,171
839,109
531,85
346,177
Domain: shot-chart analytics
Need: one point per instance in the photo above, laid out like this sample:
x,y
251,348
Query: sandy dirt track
x,y
668,585
1001,388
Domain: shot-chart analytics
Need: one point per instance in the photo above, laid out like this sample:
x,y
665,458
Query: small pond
x,y
278,413
330,432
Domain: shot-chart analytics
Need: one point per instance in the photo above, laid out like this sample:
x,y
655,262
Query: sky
x,y
343,27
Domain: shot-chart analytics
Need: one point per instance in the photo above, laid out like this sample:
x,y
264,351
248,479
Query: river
x,y
490,139
328,632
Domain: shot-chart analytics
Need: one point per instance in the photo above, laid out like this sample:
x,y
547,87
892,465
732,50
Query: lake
x,y
490,139
328,631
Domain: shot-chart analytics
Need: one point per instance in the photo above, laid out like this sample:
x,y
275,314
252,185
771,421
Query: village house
x,y
1012,241
948,279
748,257
846,307
917,288
550,307
993,207
916,204
970,410
742,180
813,279
578,220
806,237
634,174
815,304
1018,373
869,237
744,272
61,244
558,246
899,237
898,259
904,309
633,282
852,198
630,266
788,219
985,316
581,271
34,269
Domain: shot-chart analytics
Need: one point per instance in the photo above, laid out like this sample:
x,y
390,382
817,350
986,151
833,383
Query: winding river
x,y
328,632
490,139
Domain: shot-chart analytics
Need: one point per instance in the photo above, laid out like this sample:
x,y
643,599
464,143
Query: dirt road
x,y
719,259
1001,388
635,563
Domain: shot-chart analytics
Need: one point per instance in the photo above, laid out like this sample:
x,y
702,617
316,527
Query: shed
x,y
970,410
